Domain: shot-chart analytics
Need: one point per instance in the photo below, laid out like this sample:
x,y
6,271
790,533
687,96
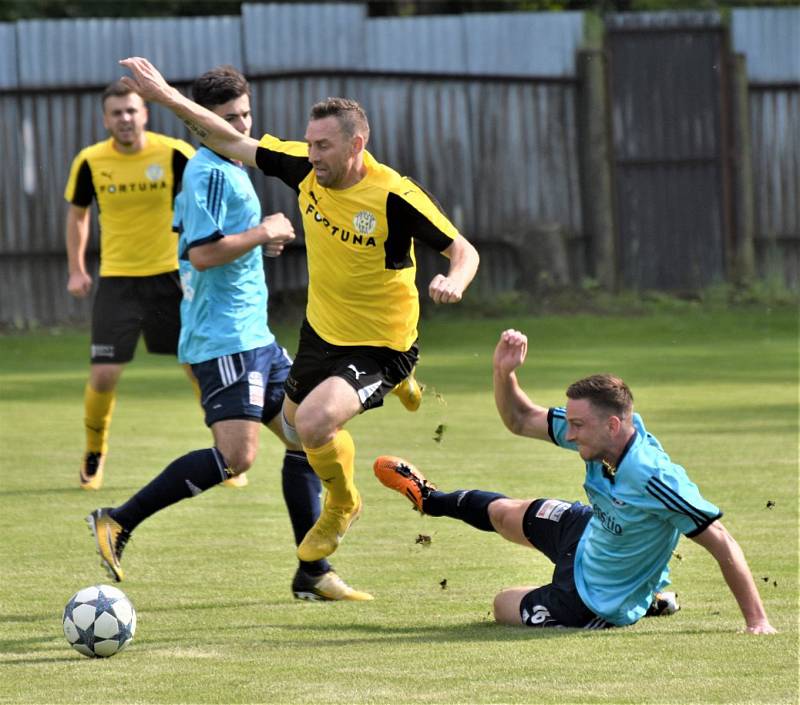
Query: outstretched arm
x,y
520,415
211,129
720,544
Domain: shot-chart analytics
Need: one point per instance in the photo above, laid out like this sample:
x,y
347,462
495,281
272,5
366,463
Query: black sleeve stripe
x,y
551,412
672,506
179,160
217,235
288,168
216,183
406,222
397,248
84,191
672,500
700,529
678,497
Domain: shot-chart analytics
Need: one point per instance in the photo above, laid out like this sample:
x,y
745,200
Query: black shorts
x,y
555,527
372,371
125,307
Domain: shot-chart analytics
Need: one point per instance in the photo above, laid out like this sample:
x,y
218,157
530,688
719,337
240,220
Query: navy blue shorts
x,y
246,385
372,371
555,527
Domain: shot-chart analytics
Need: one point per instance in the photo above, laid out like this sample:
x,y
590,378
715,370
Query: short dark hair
x,y
219,86
351,116
116,89
605,391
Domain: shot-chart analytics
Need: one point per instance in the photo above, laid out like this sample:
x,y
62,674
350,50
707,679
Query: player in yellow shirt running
x,y
359,338
133,176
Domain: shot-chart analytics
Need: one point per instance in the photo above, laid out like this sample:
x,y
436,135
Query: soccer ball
x,y
99,621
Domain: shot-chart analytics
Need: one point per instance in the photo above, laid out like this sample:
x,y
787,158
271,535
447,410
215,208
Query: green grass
x,y
210,577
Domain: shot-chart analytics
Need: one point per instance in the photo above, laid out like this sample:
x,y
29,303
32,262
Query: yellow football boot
x,y
91,472
324,537
409,392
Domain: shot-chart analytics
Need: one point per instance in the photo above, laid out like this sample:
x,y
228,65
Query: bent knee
x,y
506,606
314,428
240,460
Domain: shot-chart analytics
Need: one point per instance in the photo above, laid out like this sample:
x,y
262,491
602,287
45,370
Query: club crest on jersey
x,y
365,222
353,238
154,172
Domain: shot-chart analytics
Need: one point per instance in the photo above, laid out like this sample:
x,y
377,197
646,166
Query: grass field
x,y
210,577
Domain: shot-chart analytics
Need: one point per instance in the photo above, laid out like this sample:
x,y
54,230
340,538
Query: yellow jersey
x,y
360,247
134,194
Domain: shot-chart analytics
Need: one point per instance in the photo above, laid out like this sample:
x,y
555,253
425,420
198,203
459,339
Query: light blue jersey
x,y
639,512
224,309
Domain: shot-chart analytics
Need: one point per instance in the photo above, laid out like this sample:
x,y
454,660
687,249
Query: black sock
x,y
471,506
301,490
185,477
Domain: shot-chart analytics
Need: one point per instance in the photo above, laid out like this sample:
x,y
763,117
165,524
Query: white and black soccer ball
x,y
99,621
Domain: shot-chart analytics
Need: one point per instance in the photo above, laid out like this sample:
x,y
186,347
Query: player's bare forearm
x,y
464,262
733,565
77,237
211,129
519,414
273,232
79,283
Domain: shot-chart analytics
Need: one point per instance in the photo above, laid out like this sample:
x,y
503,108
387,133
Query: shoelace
x,y
424,486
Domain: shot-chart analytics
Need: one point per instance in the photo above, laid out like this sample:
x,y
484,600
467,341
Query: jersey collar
x,y
609,470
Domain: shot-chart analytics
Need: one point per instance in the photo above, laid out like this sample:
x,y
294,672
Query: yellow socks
x,y
335,464
98,407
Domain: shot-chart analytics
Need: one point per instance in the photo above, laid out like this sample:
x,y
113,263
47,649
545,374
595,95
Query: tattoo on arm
x,y
198,130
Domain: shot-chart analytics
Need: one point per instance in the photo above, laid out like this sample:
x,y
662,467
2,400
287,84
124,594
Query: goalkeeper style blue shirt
x,y
224,308
639,512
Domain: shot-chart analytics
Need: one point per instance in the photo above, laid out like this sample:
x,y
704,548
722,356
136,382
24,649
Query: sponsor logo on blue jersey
x,y
607,521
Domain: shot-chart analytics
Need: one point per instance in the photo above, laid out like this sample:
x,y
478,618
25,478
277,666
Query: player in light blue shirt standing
x,y
225,338
611,556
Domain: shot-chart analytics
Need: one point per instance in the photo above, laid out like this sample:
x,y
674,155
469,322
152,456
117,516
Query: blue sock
x,y
185,477
471,506
301,490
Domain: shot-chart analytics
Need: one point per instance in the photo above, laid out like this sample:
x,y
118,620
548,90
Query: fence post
x,y
594,136
742,258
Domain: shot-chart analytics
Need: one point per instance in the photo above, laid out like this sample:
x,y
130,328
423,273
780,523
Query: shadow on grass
x,y
39,491
12,649
481,632
73,491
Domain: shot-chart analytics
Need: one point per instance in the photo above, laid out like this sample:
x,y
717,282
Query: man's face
x,y
330,151
589,428
237,113
125,117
